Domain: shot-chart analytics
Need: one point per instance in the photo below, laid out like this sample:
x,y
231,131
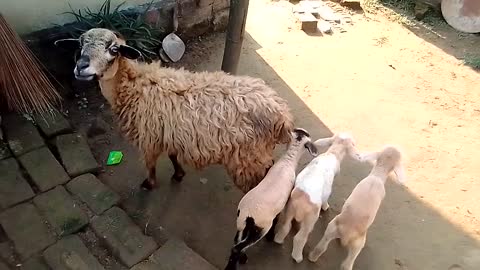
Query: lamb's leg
x,y
354,249
271,233
301,237
325,206
285,225
330,233
237,254
151,162
179,172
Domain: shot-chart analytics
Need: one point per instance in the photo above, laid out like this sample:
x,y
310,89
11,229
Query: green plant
x,y
133,27
472,61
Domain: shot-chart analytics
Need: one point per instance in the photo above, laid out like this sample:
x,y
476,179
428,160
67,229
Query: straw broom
x,y
24,87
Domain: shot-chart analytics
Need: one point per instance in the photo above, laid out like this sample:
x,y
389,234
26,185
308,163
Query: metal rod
x,y
235,30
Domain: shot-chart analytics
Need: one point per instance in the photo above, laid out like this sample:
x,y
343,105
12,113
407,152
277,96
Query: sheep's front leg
x,y
179,172
301,237
151,162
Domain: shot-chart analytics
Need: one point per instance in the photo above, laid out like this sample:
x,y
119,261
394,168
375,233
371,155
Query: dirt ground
x,y
382,82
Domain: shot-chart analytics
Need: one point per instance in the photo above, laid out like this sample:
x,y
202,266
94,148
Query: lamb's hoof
x,y
178,177
243,258
297,259
148,185
270,237
325,207
312,258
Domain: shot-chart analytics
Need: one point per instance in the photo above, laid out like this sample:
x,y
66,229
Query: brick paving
x,y
43,211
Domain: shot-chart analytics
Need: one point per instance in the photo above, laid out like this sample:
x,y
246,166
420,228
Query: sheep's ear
x,y
324,142
129,52
312,149
373,156
68,43
400,173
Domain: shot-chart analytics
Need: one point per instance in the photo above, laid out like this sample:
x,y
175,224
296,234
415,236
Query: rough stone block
x,y
4,151
93,192
220,5
174,254
45,171
76,155
62,212
53,124
13,187
22,136
220,20
26,228
70,253
35,263
123,238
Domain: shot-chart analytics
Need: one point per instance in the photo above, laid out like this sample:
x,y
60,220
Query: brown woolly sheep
x,y
196,118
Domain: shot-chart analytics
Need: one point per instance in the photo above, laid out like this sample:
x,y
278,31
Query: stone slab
x,y
35,263
175,254
71,254
26,228
76,155
22,136
13,187
53,124
94,193
123,238
44,170
61,211
4,151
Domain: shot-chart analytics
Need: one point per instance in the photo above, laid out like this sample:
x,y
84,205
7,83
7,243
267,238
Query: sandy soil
x,y
381,81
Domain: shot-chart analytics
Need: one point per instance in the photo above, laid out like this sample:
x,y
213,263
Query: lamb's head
x,y
341,143
301,138
390,158
100,48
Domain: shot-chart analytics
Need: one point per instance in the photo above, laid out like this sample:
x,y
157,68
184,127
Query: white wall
x,y
31,15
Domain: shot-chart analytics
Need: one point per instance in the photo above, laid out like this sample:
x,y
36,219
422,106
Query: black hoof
x,y
178,176
147,185
243,258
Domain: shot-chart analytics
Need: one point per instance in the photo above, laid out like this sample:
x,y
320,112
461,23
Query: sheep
x,y
361,207
313,187
198,119
258,209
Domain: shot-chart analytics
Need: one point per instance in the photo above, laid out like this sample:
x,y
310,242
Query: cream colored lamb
x,y
313,187
196,118
258,209
361,207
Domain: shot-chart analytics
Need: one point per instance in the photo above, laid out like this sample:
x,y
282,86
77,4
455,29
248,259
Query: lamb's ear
x,y
68,43
312,149
373,156
129,52
400,172
324,142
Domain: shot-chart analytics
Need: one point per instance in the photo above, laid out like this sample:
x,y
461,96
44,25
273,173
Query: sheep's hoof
x,y
178,176
148,185
243,258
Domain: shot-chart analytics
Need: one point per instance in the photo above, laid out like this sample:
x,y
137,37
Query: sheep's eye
x,y
113,50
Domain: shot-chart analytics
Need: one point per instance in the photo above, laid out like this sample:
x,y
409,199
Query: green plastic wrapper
x,y
114,158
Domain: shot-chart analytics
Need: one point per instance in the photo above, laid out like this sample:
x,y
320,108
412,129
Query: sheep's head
x,y
302,137
100,48
342,142
390,158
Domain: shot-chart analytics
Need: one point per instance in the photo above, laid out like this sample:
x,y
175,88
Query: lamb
x,y
258,209
361,207
198,119
312,190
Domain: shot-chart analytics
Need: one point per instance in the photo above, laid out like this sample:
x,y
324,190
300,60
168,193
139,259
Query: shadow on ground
x,y
407,234
435,30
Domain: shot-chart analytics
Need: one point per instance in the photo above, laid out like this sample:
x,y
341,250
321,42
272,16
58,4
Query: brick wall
x,y
199,16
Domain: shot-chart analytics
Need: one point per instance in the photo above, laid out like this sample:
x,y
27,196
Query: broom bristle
x,y
23,83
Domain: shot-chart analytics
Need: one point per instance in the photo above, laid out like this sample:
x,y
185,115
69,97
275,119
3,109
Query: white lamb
x,y
258,209
313,187
361,207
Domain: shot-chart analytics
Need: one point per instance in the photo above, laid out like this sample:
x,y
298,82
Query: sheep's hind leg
x,y
179,172
151,162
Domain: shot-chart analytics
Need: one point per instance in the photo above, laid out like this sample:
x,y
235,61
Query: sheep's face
x,y
390,159
302,137
100,48
348,144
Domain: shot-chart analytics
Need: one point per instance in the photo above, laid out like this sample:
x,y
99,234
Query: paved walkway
x,y
55,213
